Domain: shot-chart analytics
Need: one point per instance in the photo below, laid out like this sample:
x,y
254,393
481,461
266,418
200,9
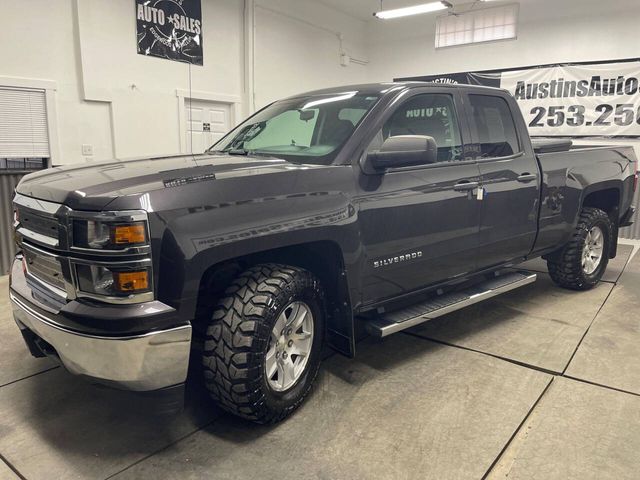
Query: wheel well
x,y
607,200
323,258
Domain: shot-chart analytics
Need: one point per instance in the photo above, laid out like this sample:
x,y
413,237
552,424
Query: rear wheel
x,y
262,349
583,260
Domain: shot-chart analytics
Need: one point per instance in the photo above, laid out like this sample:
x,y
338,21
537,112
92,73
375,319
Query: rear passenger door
x,y
509,176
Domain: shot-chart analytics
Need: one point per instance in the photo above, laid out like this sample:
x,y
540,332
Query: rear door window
x,y
494,126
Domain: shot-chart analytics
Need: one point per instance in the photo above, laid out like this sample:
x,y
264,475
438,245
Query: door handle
x,y
465,186
527,177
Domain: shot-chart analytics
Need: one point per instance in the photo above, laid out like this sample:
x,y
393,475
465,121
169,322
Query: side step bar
x,y
387,323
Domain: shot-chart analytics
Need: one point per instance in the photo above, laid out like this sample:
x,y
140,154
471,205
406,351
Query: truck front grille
x,y
45,268
38,223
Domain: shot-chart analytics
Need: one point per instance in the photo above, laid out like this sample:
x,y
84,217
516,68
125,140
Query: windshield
x,y
303,130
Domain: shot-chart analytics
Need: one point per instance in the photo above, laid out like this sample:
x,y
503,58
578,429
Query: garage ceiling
x,y
364,9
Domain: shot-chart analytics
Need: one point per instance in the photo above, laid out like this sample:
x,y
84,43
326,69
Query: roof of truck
x,y
386,87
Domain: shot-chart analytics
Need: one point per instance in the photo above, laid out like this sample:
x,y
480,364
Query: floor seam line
x,y
606,387
584,335
492,355
517,430
11,467
29,376
160,450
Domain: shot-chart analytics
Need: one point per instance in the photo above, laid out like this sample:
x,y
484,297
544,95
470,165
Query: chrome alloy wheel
x,y
289,346
593,250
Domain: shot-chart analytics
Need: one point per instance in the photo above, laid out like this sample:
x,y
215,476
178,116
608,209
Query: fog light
x,y
113,283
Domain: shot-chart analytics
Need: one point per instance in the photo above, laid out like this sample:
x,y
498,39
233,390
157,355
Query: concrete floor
x,y
539,383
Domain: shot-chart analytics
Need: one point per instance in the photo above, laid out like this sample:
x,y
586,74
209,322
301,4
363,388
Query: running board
x,y
387,323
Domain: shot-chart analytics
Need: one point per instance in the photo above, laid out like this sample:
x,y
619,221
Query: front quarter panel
x,y
252,214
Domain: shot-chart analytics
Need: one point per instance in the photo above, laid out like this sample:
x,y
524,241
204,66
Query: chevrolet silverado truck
x,y
365,208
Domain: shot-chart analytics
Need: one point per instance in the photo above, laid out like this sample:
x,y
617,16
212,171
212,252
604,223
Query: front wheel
x,y
580,264
262,350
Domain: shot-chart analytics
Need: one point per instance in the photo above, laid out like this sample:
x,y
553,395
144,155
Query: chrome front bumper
x,y
145,362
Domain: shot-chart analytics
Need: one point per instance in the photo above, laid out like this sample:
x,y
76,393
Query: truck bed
x,y
568,178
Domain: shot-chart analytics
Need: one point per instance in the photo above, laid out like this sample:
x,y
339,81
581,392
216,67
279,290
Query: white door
x,y
207,122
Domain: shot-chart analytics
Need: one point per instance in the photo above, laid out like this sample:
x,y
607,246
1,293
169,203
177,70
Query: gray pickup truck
x,y
375,206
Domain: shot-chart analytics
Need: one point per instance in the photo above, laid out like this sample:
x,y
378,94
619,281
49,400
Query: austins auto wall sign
x,y
170,29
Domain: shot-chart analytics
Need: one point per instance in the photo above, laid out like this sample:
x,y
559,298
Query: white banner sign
x,y
601,100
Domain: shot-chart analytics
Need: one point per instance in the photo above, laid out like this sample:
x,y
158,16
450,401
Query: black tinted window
x,y
494,126
431,115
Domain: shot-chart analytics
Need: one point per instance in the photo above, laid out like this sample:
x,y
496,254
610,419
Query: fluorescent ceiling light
x,y
414,10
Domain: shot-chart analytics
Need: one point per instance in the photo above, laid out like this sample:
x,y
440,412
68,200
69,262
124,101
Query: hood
x,y
94,186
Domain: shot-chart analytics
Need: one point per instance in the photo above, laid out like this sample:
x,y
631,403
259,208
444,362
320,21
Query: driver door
x,y
420,225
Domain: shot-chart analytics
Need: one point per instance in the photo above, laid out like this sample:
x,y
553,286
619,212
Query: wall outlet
x,y
87,150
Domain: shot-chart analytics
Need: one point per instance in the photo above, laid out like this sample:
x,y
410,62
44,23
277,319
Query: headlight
x,y
108,271
107,235
113,282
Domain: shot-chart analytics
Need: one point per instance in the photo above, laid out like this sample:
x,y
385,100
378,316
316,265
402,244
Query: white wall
x,y
46,50
126,105
549,31
142,90
298,49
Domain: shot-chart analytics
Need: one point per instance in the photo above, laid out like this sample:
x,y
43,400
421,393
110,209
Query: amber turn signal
x,y
126,282
129,234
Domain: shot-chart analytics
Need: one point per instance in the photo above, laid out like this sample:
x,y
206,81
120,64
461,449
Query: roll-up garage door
x,y
23,125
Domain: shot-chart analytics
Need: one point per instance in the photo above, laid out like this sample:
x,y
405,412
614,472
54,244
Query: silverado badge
x,y
385,262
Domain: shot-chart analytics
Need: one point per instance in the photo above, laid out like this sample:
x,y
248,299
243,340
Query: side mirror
x,y
401,151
